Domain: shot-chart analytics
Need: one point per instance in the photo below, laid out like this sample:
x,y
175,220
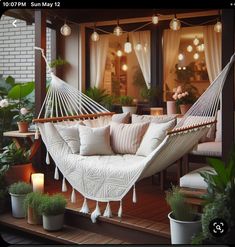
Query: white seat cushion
x,y
208,149
194,180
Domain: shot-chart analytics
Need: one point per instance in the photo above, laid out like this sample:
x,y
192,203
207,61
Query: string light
x,y
124,67
138,47
196,41
218,27
65,30
127,45
117,30
119,51
180,57
95,36
175,24
155,19
189,48
196,56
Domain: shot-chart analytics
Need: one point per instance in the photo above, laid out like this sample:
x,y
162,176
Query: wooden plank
x,y
16,133
190,192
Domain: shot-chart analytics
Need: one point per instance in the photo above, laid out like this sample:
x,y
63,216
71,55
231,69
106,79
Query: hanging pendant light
x,y
196,41
95,36
127,45
189,48
218,27
117,30
196,56
175,24
155,19
124,67
65,30
138,46
119,51
180,56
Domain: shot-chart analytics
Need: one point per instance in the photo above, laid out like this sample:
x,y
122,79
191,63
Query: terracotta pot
x,y
33,218
184,108
20,172
23,127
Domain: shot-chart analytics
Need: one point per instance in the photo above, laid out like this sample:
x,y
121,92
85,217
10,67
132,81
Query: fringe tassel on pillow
x,y
56,175
47,158
73,196
64,186
85,208
120,210
36,134
96,213
134,199
108,211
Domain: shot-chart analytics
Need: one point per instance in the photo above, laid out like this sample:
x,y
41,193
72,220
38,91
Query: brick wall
x,y
17,49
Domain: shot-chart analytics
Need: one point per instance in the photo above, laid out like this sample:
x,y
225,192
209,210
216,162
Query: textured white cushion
x,y
126,138
95,141
98,122
70,134
218,134
153,137
208,149
194,180
149,118
121,117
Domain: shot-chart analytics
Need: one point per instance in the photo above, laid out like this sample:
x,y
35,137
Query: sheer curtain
x,y
212,41
98,55
171,42
143,55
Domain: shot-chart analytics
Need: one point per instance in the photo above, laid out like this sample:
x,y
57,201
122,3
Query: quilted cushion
x,y
153,137
126,138
149,118
95,141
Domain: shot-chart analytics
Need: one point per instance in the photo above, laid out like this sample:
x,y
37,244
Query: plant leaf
x,y
21,90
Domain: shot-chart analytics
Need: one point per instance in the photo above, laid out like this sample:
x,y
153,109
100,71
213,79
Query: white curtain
x,y
171,43
212,41
143,55
98,55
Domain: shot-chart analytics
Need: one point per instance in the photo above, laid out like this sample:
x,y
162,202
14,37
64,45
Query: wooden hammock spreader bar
x,y
170,132
59,119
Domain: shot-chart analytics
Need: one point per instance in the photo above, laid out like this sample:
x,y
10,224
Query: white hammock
x,y
109,178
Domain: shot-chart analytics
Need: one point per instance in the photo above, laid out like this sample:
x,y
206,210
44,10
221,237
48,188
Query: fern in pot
x,y
127,104
18,192
184,222
52,209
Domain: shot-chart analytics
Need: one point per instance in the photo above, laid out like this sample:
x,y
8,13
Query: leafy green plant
x,y
126,100
33,200
24,115
149,94
180,209
58,62
20,188
52,205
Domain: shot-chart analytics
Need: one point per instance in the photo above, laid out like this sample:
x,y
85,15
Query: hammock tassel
x,y
96,213
47,158
36,136
108,211
56,175
120,210
85,208
73,196
64,186
134,198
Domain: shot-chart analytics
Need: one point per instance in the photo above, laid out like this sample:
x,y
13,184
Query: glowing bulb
x,y
127,45
180,57
196,56
119,53
95,36
155,19
189,48
124,67
196,41
65,30
218,27
138,47
117,31
184,68
200,48
175,24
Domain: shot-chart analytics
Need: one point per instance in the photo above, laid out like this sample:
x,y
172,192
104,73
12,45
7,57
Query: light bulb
x,y
155,19
196,41
189,48
200,48
184,68
138,47
127,45
196,56
95,36
218,27
124,67
117,31
119,53
175,24
180,57
65,30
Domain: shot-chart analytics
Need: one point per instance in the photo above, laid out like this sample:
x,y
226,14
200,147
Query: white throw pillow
x,y
95,141
150,118
121,117
153,137
70,134
98,122
126,138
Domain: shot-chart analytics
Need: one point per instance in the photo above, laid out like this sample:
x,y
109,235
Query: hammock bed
x,y
109,178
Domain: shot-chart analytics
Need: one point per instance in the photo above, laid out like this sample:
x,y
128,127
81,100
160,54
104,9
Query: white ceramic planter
x,y
17,205
182,231
53,222
131,109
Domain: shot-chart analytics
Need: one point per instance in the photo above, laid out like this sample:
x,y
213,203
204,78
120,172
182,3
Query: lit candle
x,y
38,182
156,111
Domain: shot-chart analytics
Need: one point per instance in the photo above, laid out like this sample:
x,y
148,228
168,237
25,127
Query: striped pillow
x,y
126,138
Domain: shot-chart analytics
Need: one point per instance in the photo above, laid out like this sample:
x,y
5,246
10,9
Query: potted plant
x,y
184,222
32,204
17,162
127,104
52,209
18,192
23,119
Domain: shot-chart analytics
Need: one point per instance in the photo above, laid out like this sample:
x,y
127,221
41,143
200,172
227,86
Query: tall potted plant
x,y
18,192
127,104
184,222
52,209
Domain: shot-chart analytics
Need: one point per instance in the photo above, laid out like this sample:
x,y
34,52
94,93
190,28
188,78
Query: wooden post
x,y
228,39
